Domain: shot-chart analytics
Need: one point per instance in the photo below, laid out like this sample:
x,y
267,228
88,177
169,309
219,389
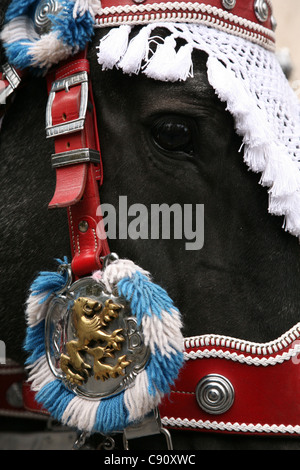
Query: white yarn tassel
x,y
281,173
113,47
162,61
138,50
183,66
255,158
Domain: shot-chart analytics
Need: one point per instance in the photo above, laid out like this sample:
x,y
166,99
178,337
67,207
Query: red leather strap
x,y
29,401
77,185
266,386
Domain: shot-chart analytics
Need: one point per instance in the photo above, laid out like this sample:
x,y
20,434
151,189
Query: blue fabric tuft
x,y
18,8
112,415
145,297
18,54
162,371
49,282
75,32
35,342
55,398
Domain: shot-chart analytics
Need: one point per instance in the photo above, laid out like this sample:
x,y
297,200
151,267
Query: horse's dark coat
x,y
245,280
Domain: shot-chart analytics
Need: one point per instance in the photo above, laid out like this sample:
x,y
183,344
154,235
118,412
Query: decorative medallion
x,y
105,349
215,394
261,9
42,21
228,4
93,342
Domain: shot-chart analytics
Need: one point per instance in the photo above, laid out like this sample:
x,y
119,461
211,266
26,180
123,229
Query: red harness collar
x,y
253,388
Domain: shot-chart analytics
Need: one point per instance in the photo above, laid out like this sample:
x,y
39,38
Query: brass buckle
x,y
76,124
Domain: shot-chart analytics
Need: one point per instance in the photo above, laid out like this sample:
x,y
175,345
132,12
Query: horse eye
x,y
173,134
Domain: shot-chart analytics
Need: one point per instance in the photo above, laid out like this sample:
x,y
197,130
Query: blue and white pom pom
x,y
161,323
69,27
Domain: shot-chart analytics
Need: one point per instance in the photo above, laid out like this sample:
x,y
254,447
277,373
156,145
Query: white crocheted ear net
x,y
247,77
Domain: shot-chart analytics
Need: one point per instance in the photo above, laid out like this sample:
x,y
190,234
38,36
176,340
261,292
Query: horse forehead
x,y
114,85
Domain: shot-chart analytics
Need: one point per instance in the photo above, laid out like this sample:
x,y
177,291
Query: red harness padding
x,y
265,379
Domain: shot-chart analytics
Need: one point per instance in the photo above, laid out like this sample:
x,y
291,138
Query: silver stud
x,y
83,226
228,4
261,9
273,23
215,394
42,22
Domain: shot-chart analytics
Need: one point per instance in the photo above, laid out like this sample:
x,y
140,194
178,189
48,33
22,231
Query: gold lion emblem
x,y
89,318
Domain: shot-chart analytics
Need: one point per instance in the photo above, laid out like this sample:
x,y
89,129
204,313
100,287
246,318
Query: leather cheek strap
x,y
78,176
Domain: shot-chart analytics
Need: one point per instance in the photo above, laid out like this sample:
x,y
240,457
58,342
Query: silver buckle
x,y
11,75
76,124
75,156
150,426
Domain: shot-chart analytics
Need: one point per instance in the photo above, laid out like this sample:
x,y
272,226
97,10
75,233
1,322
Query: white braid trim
x,y
242,359
241,345
257,349
187,12
231,427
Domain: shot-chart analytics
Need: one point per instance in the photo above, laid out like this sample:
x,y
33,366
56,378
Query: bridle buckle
x,y
74,125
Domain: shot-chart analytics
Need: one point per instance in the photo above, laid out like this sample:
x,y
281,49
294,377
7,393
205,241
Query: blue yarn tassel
x,y
144,296
55,398
49,282
112,415
76,32
35,342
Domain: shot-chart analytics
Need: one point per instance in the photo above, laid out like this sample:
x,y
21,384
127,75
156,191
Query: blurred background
x,y
287,14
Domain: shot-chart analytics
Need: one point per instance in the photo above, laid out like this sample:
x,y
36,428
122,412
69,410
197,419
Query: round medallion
x,y
93,342
215,394
261,9
228,4
42,22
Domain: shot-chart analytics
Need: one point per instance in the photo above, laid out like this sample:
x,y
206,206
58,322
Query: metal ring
x,y
61,270
261,9
108,259
215,394
42,22
229,4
